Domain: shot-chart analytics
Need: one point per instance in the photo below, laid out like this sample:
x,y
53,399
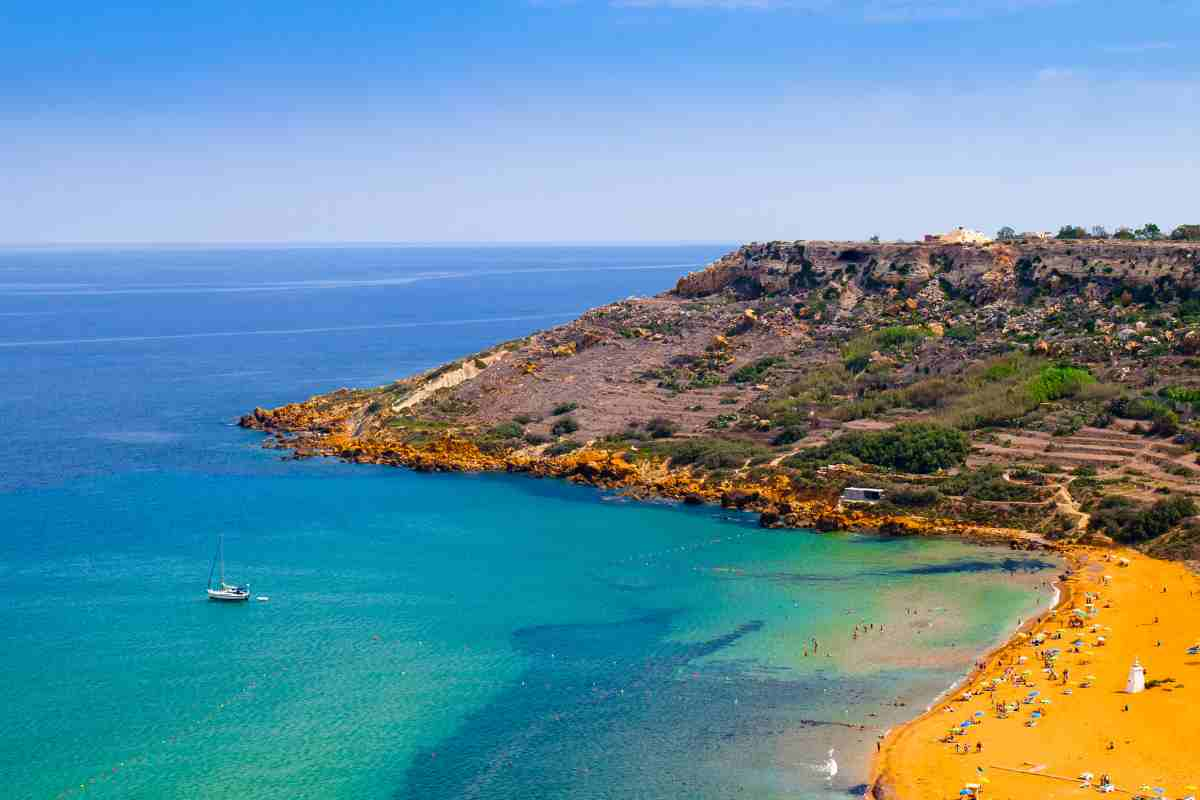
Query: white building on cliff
x,y
960,235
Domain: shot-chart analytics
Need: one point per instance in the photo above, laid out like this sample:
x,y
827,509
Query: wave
x,y
89,290
285,331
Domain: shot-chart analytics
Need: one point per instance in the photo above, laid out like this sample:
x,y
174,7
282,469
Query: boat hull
x,y
226,596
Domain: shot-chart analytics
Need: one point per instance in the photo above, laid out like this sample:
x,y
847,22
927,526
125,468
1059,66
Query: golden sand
x,y
1090,724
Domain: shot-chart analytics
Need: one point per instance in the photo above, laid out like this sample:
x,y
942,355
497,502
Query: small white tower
x,y
1137,678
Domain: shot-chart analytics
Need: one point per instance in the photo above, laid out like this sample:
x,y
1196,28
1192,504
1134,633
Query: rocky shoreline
x,y
298,428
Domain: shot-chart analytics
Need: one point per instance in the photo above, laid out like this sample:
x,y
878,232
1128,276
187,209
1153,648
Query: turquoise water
x,y
427,636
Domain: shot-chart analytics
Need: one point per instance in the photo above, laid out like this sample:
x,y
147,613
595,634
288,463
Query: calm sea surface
x,y
427,636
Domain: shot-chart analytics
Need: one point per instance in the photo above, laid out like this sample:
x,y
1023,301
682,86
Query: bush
x,y
563,447
752,373
1164,423
909,447
523,419
789,435
899,335
536,438
1057,382
507,430
987,483
1129,522
564,426
564,408
713,453
913,498
661,428
1137,407
960,333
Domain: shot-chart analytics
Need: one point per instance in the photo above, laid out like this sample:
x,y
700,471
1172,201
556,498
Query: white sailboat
x,y
223,591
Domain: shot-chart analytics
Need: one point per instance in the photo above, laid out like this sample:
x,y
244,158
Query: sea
x,y
426,636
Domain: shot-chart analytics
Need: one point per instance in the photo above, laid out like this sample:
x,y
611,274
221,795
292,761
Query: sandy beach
x,y
1045,710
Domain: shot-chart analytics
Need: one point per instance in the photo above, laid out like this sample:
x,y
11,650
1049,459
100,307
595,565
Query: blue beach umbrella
x,y
965,723
979,713
965,792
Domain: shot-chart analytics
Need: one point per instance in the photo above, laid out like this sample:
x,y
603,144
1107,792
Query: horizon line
x,y
361,243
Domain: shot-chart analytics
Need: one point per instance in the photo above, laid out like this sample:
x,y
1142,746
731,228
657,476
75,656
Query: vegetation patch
x,y
1130,522
564,426
753,372
911,447
710,453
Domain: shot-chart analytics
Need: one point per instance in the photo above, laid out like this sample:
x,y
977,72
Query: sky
x,y
593,120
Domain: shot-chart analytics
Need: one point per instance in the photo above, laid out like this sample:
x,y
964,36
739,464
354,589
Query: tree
x,y
1124,234
1148,232
1006,234
1071,232
1099,232
1186,233
875,239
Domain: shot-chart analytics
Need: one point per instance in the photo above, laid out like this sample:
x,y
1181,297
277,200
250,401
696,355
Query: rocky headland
x,y
1036,392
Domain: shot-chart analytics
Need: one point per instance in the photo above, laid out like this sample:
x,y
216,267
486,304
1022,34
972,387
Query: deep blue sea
x,y
427,636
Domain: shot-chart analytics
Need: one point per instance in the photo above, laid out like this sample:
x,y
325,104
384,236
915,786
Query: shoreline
x,y
1074,735
774,499
880,776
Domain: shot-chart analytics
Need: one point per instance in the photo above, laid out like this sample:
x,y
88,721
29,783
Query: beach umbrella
x,y
1085,776
965,792
965,723
979,713
1034,693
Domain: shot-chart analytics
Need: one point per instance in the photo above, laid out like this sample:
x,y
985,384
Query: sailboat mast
x,y
221,550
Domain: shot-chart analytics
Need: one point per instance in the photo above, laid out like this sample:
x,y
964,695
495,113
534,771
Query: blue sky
x,y
553,120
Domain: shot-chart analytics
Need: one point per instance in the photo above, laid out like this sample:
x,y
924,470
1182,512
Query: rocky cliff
x,y
981,274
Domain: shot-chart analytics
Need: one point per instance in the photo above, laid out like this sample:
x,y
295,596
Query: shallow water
x,y
427,636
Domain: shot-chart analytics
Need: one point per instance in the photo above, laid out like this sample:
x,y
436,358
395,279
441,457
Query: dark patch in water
x,y
968,565
964,566
615,710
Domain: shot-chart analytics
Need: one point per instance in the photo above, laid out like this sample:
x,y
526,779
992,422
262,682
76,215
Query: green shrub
x,y
661,428
987,483
899,335
1130,522
752,373
564,426
712,453
789,435
910,447
1137,407
857,363
913,498
507,430
536,438
564,408
563,447
1057,382
960,333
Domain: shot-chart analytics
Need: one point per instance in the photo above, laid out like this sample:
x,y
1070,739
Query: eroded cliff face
x,y
978,273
